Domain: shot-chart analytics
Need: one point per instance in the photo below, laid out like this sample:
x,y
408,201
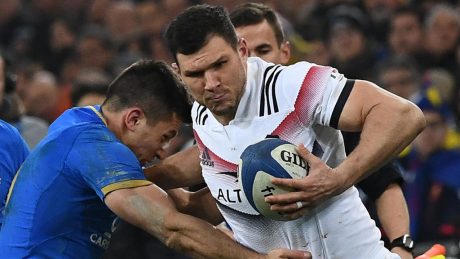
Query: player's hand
x,y
321,183
288,254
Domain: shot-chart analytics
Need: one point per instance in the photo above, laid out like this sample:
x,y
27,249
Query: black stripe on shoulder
x,y
341,103
262,95
275,102
205,117
199,115
267,86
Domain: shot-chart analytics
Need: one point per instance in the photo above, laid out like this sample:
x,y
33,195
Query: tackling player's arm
x,y
182,169
388,124
200,204
394,216
150,208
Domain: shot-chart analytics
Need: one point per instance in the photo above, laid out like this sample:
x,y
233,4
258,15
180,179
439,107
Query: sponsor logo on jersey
x,y
229,195
115,224
102,241
206,158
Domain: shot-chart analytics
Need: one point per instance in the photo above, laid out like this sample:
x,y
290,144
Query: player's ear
x,y
175,67
285,52
133,118
243,48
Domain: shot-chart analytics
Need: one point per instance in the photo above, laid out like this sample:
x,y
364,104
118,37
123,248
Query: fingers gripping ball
x,y
261,162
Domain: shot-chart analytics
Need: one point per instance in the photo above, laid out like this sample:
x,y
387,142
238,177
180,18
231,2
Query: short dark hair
x,y
193,28
255,13
152,86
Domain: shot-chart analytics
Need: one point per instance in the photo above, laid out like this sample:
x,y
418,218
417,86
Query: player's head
x,y
260,26
148,103
192,29
210,58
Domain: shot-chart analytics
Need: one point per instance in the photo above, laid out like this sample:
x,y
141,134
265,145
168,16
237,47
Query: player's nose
x,y
211,80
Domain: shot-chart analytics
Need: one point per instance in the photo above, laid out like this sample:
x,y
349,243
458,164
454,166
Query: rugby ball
x,y
262,161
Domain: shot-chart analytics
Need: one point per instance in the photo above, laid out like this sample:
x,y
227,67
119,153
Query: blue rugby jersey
x,y
13,151
56,207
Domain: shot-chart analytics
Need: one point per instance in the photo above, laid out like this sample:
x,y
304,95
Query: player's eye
x,y
220,63
195,74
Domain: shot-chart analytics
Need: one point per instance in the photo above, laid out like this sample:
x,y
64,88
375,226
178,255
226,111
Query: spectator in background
x,y
42,96
123,24
62,40
13,151
90,89
121,21
95,49
32,129
406,32
310,42
400,75
379,12
10,21
433,179
351,47
442,26
153,18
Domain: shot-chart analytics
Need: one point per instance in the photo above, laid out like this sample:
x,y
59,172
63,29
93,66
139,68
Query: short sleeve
x,y
105,164
321,92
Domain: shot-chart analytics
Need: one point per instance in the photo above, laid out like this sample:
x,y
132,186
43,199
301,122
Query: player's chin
x,y
220,108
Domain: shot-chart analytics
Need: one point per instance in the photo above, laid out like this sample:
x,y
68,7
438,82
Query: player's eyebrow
x,y
199,72
263,46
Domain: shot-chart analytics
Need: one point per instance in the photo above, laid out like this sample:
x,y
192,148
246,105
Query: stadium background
x,y
61,53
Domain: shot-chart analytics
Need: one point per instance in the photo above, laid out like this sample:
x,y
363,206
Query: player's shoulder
x,y
199,114
7,129
9,134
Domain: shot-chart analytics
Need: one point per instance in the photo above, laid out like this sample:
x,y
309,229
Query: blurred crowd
x,y
55,54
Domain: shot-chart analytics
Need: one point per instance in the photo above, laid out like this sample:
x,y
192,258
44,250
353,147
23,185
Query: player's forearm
x,y
388,128
150,208
392,212
199,204
182,169
201,240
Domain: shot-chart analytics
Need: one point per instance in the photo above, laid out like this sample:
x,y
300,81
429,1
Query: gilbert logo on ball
x,y
261,162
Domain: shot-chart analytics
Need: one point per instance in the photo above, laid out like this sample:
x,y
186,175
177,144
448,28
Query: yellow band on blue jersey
x,y
124,185
12,186
98,114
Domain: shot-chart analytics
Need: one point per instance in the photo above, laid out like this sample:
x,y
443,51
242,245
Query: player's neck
x,y
225,119
110,118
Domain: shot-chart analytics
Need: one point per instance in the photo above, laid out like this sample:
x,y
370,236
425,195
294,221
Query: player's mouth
x,y
216,98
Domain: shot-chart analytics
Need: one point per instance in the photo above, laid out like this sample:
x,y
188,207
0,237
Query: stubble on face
x,y
215,77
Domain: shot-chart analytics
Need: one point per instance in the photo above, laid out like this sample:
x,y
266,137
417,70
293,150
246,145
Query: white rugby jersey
x,y
300,103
